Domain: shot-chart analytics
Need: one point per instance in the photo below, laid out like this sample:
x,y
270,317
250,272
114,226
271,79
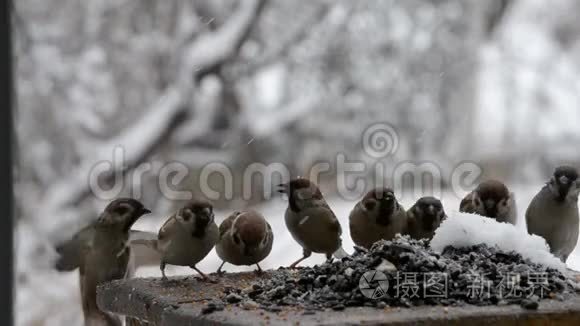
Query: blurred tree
x,y
204,81
136,74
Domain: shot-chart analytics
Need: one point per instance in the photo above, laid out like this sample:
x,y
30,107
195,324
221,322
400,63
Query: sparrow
x,y
310,220
553,212
245,239
101,253
491,199
186,237
424,218
375,217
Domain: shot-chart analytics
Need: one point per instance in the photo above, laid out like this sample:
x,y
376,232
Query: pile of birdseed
x,y
405,273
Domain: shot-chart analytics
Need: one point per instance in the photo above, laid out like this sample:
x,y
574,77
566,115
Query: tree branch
x,y
141,139
213,49
281,50
135,142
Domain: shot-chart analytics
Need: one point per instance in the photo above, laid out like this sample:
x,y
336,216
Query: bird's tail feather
x,y
64,263
143,238
152,244
145,252
67,257
142,235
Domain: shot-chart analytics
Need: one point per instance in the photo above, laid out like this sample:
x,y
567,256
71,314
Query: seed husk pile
x,y
415,276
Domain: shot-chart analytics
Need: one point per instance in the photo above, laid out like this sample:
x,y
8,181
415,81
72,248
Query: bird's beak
x,y
145,211
283,188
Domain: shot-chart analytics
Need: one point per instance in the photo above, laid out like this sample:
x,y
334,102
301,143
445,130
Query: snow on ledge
x,y
464,230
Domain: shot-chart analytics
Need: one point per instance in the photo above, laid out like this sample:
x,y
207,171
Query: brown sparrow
x,y
310,220
491,199
245,239
101,253
424,218
553,213
376,217
186,237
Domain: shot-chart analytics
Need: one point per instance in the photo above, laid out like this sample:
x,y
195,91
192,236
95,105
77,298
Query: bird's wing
x,y
321,216
166,228
226,225
513,213
269,227
411,220
335,226
333,223
70,252
466,204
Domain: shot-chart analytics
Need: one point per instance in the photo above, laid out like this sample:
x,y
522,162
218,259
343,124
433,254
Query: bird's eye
x,y
237,239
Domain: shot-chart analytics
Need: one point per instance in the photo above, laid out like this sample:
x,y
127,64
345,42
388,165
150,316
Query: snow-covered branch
x,y
284,46
214,48
157,122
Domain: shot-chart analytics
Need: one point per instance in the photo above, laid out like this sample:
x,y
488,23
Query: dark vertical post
x,y
6,181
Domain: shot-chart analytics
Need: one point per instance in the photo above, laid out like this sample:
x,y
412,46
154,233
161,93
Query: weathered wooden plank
x,y
180,301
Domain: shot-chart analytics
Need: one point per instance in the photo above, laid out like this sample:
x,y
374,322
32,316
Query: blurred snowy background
x,y
296,82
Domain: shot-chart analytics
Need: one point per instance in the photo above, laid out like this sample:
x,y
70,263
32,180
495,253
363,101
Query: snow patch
x,y
464,230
